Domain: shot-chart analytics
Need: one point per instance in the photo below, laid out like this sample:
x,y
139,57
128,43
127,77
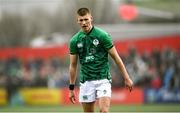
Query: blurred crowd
x,y
156,69
50,73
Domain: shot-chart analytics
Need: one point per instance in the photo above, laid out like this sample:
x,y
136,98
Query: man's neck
x,y
88,30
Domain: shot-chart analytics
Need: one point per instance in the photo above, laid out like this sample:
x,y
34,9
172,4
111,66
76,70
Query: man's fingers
x,y
129,88
72,97
73,100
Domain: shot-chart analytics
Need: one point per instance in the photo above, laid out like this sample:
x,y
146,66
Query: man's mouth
x,y
84,26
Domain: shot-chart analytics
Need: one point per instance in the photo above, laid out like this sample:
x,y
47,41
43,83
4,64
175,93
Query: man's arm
x,y
120,64
73,76
73,69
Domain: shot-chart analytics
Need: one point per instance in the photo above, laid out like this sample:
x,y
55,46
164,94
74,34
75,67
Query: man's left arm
x,y
121,66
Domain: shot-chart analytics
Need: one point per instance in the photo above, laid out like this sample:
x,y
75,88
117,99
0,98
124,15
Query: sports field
x,y
114,108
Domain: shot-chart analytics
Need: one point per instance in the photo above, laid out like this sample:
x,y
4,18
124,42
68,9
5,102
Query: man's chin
x,y
85,30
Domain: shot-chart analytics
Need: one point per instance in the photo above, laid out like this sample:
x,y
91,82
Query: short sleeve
x,y
107,41
72,46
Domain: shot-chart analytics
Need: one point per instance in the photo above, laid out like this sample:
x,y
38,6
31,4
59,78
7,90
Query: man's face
x,y
85,22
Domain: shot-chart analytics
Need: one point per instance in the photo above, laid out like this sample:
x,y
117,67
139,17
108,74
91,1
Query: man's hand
x,y
72,96
129,84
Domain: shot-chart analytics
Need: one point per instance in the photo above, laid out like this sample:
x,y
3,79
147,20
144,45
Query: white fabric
x,y
91,90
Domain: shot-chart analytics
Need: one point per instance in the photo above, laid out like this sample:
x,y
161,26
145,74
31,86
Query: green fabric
x,y
92,49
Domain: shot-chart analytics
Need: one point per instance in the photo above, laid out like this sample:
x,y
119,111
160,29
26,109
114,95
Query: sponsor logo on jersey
x,y
89,58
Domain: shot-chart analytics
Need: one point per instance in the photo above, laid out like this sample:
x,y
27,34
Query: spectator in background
x,y
137,67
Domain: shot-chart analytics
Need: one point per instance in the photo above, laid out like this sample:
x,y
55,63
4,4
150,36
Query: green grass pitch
x,y
77,108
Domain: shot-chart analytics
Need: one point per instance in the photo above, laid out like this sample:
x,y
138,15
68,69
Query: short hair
x,y
83,11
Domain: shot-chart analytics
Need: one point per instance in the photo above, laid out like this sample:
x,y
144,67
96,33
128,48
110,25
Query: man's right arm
x,y
73,75
73,68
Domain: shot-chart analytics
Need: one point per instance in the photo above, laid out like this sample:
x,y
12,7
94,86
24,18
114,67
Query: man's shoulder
x,y
76,36
100,30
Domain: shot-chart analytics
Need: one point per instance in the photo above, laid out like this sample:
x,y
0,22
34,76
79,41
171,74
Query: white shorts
x,y
91,90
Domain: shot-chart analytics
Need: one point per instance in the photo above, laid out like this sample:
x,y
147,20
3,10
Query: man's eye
x,y
86,19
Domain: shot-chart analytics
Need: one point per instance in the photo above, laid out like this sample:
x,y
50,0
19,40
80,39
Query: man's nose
x,y
83,22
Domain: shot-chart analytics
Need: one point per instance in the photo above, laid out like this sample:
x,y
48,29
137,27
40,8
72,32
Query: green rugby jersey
x,y
92,49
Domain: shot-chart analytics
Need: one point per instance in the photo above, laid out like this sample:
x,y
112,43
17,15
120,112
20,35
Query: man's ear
x,y
77,20
91,18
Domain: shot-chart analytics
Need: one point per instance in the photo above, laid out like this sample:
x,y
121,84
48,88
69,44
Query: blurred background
x,y
34,56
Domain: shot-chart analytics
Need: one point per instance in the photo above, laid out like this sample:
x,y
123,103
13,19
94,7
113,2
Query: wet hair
x,y
83,11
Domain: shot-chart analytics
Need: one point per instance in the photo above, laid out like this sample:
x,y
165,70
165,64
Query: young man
x,y
91,45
